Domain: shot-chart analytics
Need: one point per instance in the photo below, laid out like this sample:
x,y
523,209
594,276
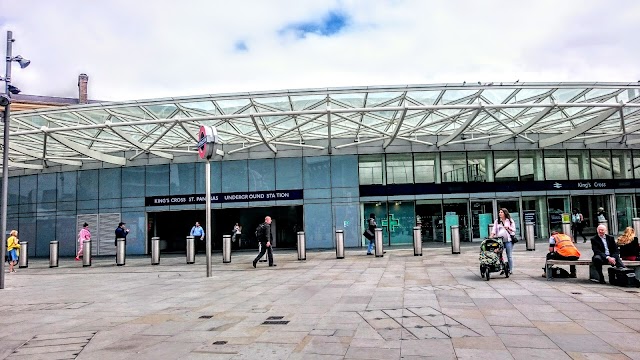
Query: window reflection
x,y
453,167
601,164
505,165
425,168
370,169
555,165
399,169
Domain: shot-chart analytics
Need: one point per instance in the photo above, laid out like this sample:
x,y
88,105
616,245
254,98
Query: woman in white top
x,y
503,228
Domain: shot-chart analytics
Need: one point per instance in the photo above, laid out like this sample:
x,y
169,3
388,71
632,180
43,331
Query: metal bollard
x,y
121,251
636,226
53,253
302,246
566,228
417,241
226,249
530,234
23,259
155,250
86,253
455,239
490,230
191,250
339,244
378,243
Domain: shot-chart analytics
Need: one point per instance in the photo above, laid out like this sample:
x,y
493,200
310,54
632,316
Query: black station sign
x,y
503,186
224,197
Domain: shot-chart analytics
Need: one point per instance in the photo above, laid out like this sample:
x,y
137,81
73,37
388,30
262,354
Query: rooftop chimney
x,y
83,98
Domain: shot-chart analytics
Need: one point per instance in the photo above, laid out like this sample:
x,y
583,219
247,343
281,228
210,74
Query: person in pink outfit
x,y
84,234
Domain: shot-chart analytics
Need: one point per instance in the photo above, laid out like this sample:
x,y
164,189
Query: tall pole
x,y
5,158
207,186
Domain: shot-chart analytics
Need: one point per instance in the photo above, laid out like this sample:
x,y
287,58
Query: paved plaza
x,y
361,307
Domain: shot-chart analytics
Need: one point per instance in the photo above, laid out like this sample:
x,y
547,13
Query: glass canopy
x,y
436,115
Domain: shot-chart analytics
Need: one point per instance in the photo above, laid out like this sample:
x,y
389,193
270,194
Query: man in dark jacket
x,y
264,237
121,233
605,251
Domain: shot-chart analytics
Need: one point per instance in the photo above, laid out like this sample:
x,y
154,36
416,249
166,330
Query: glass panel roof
x,y
430,110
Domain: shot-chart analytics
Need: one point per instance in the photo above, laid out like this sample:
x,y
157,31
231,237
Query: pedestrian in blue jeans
x,y
370,233
504,228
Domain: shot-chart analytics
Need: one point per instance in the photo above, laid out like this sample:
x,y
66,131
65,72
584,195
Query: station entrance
x,y
173,227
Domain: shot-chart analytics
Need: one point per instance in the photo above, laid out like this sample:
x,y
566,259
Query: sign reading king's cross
x,y
207,138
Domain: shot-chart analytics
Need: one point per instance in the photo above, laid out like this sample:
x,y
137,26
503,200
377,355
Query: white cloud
x,y
133,50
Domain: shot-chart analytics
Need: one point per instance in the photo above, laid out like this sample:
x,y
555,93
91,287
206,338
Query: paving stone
x,y
541,354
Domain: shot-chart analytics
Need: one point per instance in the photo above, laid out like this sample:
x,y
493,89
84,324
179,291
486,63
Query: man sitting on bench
x,y
605,251
561,248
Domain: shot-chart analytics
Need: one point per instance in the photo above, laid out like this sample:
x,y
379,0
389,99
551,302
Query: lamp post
x,y
6,100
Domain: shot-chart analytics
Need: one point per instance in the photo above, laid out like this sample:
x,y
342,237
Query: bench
x,y
592,271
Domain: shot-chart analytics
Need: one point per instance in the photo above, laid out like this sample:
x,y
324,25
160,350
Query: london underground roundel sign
x,y
207,137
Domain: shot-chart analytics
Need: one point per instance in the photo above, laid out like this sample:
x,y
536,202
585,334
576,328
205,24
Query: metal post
x,y
566,228
155,250
302,246
339,244
191,250
490,230
530,234
417,241
378,243
455,239
86,253
53,253
5,157
121,251
209,230
636,226
23,259
226,249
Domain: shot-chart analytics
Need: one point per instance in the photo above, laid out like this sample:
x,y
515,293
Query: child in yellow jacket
x,y
13,249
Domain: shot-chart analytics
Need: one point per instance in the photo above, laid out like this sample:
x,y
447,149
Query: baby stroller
x,y
491,259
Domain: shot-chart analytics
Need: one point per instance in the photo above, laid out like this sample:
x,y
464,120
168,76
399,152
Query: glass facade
x,y
45,206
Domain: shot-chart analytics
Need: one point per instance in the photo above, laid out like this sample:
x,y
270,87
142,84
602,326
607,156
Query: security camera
x,y
4,100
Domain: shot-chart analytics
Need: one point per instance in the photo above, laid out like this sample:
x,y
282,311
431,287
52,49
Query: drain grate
x,y
221,342
275,318
576,293
275,322
53,346
632,291
205,317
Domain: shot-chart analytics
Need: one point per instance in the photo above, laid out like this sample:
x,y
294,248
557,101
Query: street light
x,y
6,101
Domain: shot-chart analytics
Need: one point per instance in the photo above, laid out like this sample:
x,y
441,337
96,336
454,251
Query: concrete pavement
x,y
361,307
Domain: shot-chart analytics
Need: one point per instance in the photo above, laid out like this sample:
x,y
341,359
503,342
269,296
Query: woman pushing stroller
x,y
505,228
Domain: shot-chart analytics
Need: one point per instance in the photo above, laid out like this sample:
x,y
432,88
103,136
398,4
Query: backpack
x,y
259,231
560,273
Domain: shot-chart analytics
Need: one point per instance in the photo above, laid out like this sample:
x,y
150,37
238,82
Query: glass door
x,y
379,209
624,212
481,217
429,218
557,206
456,213
400,223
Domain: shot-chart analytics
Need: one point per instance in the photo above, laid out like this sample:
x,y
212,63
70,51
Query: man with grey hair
x,y
263,234
605,251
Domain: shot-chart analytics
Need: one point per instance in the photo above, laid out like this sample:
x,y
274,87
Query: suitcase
x,y
622,277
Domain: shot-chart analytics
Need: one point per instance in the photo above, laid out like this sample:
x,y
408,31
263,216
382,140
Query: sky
x,y
139,50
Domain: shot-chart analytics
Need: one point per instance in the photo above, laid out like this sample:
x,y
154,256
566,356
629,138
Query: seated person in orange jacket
x,y
561,247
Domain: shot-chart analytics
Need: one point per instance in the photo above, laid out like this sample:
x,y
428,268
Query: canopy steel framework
x,y
450,113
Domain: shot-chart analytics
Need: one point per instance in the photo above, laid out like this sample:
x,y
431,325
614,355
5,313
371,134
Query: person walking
x,y
369,234
263,233
504,228
83,235
577,224
237,235
198,235
13,249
